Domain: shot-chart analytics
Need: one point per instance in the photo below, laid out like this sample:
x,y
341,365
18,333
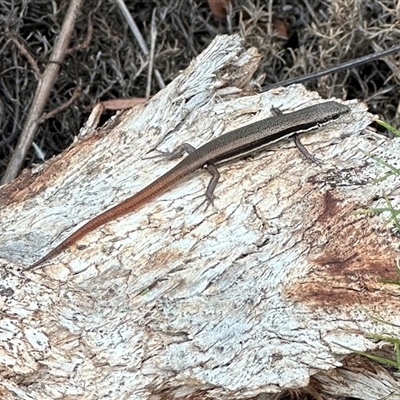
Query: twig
x,y
153,34
121,104
22,49
139,38
42,92
346,65
87,39
77,93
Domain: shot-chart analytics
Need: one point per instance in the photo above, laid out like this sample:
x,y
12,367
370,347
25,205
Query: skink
x,y
234,144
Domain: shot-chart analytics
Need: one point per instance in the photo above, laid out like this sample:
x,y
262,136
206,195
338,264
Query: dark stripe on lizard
x,y
237,143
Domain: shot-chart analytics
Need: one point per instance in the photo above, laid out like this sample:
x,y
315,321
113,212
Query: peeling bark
x,y
173,301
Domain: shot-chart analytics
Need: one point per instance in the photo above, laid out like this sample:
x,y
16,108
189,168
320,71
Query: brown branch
x,y
121,104
87,39
77,93
24,51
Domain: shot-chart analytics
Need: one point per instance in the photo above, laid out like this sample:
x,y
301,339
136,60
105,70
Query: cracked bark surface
x,y
173,301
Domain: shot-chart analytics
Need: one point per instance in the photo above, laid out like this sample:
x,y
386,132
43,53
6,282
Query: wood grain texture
x,y
251,297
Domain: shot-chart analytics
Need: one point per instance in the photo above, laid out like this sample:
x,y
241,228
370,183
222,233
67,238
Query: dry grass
x,y
298,37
